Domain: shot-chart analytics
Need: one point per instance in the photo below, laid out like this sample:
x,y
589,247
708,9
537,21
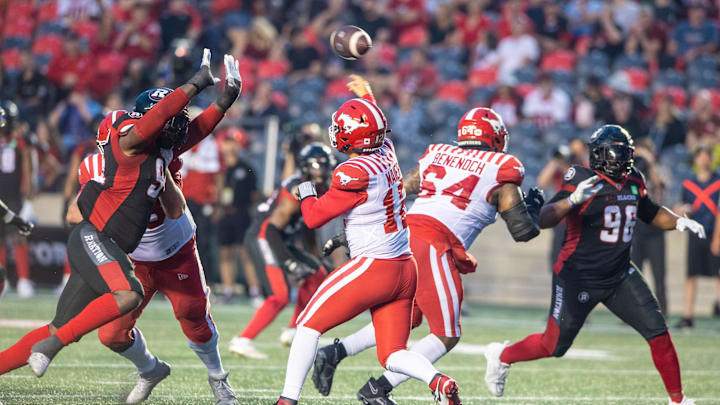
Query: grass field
x,y
609,363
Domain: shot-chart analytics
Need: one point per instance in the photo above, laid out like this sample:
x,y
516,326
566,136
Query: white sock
x,y
412,364
430,346
302,355
360,340
209,354
138,353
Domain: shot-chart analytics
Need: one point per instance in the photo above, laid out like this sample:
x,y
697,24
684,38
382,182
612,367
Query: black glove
x,y
534,200
298,270
233,84
204,77
24,228
334,243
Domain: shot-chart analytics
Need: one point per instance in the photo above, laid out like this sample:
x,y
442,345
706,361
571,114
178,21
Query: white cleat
x,y
221,389
685,401
147,382
497,372
287,336
244,347
25,288
38,363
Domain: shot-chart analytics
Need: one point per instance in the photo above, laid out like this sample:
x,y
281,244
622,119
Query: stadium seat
x,y
525,74
483,77
18,10
11,59
85,29
594,63
338,89
629,61
47,12
452,70
454,90
482,95
523,89
23,27
678,95
271,69
47,44
669,78
562,60
639,79
16,42
412,37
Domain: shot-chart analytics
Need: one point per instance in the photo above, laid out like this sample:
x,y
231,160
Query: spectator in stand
x,y
73,117
71,68
238,196
518,50
202,173
591,104
32,90
407,16
609,38
625,13
442,23
506,102
700,201
140,35
552,27
583,15
547,105
409,116
370,15
302,55
418,75
704,126
623,112
474,23
648,37
667,128
665,11
179,20
649,242
696,36
262,104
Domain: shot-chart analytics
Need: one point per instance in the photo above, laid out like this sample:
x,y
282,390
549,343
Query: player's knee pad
x,y
114,338
127,300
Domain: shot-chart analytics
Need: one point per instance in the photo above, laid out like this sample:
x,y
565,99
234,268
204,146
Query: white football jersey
x,y
455,185
376,227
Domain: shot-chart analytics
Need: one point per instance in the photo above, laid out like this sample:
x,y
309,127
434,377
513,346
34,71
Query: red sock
x,y
305,292
98,312
533,347
666,361
3,254
22,260
263,316
16,355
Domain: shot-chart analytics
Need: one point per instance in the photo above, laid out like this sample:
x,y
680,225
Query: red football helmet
x,y
103,134
483,126
358,126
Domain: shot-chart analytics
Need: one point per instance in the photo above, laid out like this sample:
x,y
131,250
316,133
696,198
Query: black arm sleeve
x,y
277,245
520,223
647,209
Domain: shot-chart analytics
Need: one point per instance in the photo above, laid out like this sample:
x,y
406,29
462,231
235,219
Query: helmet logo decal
x,y
344,178
497,124
350,124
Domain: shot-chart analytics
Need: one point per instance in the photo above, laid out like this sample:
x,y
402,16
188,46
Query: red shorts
x,y
385,287
440,292
181,278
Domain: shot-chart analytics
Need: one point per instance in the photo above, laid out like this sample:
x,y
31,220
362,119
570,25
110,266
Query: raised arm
x,y
9,217
147,128
568,198
361,88
347,190
519,213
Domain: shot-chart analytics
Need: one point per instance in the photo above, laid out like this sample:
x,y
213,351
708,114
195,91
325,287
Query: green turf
x,y
88,373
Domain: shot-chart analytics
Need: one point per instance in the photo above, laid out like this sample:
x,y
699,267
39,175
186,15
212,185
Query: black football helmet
x,y
316,162
174,134
611,151
10,114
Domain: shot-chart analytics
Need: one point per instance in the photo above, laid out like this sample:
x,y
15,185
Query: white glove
x,y
585,191
232,72
206,63
306,189
684,224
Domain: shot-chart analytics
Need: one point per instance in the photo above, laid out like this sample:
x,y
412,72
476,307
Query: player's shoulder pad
x,y
511,171
350,177
576,173
638,178
84,174
126,122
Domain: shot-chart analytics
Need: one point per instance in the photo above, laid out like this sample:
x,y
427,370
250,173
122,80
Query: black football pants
x,y
631,300
98,267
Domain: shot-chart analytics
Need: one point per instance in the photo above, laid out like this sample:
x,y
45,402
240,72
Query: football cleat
x,y
373,394
42,353
287,336
283,401
445,390
244,347
221,389
685,401
147,382
497,372
326,361
25,288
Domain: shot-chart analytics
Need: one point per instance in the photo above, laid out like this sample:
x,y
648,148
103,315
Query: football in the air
x,y
350,42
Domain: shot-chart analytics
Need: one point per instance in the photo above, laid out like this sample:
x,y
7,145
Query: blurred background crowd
x,y
554,70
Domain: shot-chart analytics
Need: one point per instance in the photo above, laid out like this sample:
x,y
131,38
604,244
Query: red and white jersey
x,y
376,226
455,185
163,237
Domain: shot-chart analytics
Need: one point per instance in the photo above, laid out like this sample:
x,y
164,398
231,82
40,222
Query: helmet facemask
x,y
614,161
175,132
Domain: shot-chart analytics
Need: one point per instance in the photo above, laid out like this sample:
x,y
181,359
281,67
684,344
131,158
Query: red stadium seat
x,y
454,90
483,77
86,29
563,61
247,71
523,89
47,44
338,89
412,37
47,12
270,69
19,28
111,62
19,10
11,59
639,79
678,94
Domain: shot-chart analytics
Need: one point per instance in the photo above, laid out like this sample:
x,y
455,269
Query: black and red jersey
x,y
596,250
265,210
11,171
121,206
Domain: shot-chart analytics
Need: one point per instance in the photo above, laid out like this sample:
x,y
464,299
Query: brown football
x,y
350,42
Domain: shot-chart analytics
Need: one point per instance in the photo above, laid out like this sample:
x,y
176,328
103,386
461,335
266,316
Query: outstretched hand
x,y
359,86
204,77
233,83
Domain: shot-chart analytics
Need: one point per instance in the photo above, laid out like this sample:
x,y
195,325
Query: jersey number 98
x,y
613,222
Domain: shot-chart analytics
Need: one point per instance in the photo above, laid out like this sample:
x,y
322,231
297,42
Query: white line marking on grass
x,y
22,323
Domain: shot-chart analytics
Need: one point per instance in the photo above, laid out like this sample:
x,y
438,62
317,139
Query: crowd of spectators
x,y
555,70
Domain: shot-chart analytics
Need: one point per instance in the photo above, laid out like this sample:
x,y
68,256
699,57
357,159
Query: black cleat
x,y
326,361
372,393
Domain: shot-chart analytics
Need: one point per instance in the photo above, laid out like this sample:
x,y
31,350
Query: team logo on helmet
x,y
350,124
